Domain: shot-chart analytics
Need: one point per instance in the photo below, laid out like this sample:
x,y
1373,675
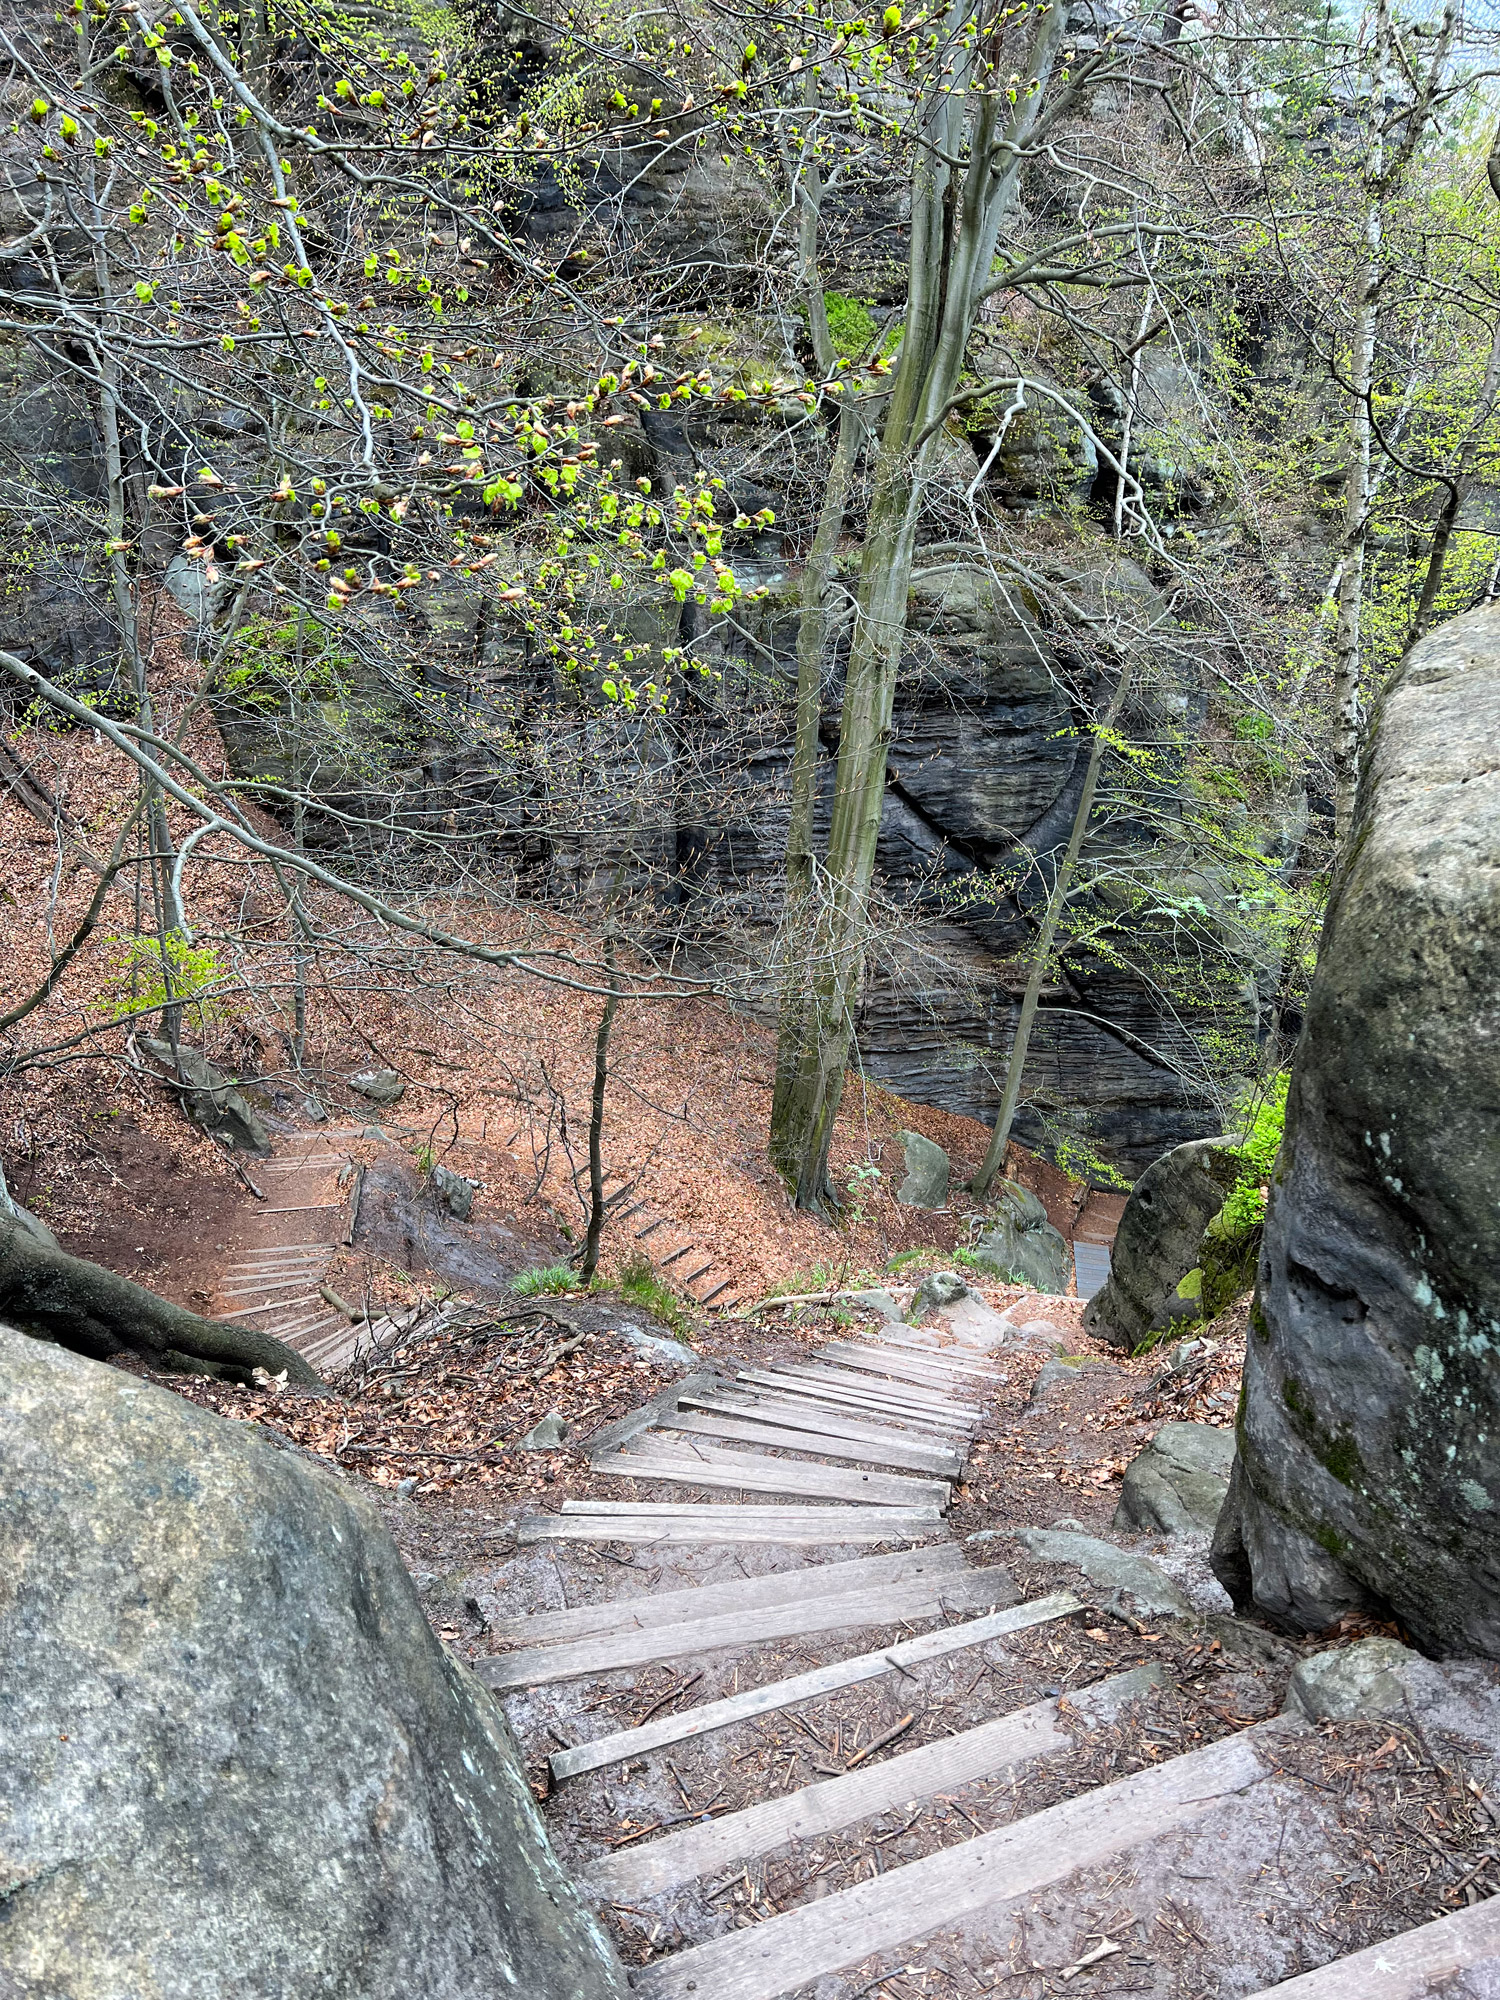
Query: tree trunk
x,y
1010,1098
955,226
48,1294
590,1260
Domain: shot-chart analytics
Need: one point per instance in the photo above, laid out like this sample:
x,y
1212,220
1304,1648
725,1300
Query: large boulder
x,y
1021,1244
1155,1259
1369,1466
233,1757
926,1182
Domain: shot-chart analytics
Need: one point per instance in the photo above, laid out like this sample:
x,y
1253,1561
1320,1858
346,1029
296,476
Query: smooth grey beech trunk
x,y
956,214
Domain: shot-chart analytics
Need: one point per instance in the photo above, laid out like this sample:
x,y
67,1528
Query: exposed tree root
x,y
48,1294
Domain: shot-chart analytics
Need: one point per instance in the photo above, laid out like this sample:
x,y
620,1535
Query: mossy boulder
x,y
1369,1464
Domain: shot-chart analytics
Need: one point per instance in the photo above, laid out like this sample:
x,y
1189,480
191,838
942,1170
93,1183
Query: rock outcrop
x,y
1021,1244
233,1757
210,1098
1369,1467
1159,1243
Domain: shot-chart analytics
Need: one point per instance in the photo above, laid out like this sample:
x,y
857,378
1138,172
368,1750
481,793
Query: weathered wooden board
x,y
940,1454
707,1600
1419,1964
693,1722
892,1910
899,1602
656,1457
743,1431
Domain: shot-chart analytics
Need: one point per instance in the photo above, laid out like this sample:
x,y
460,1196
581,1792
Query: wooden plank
x,y
809,1527
305,1208
856,1402
610,1437
270,1305
241,1288
906,1458
938,1454
852,1399
983,1752
900,1602
897,1362
967,1359
282,1249
893,1910
911,1396
694,1722
1418,1964
702,1465
910,1401
696,1509
707,1600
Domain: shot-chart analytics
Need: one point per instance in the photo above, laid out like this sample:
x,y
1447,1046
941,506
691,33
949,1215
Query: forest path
x,y
886,1783
275,1266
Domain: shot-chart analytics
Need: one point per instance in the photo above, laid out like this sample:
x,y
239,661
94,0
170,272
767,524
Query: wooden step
x,y
909,1396
962,1360
856,1401
937,1454
707,1600
898,1603
942,1766
897,1365
695,1722
1414,1966
656,1457
971,1369
648,1521
907,1458
893,1910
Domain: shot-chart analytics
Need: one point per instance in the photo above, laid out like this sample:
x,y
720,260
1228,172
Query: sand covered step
x,y
859,1402
695,1722
685,1423
908,1395
707,1600
789,1951
983,1752
899,1602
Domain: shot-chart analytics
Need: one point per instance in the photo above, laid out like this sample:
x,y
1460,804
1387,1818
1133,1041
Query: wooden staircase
x,y
861,1443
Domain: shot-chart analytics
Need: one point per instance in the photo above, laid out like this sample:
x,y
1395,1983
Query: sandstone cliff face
x,y
233,1757
1369,1469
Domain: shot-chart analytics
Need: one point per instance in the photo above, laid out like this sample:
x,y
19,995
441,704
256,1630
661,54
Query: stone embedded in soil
x,y
1366,1679
1021,1245
1369,1471
926,1182
937,1289
209,1098
1157,1243
1177,1485
877,1302
1062,1371
549,1435
380,1086
456,1190
1151,1589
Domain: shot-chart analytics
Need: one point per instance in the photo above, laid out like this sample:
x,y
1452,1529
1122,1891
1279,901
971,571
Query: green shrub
x,y
639,1284
543,1279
